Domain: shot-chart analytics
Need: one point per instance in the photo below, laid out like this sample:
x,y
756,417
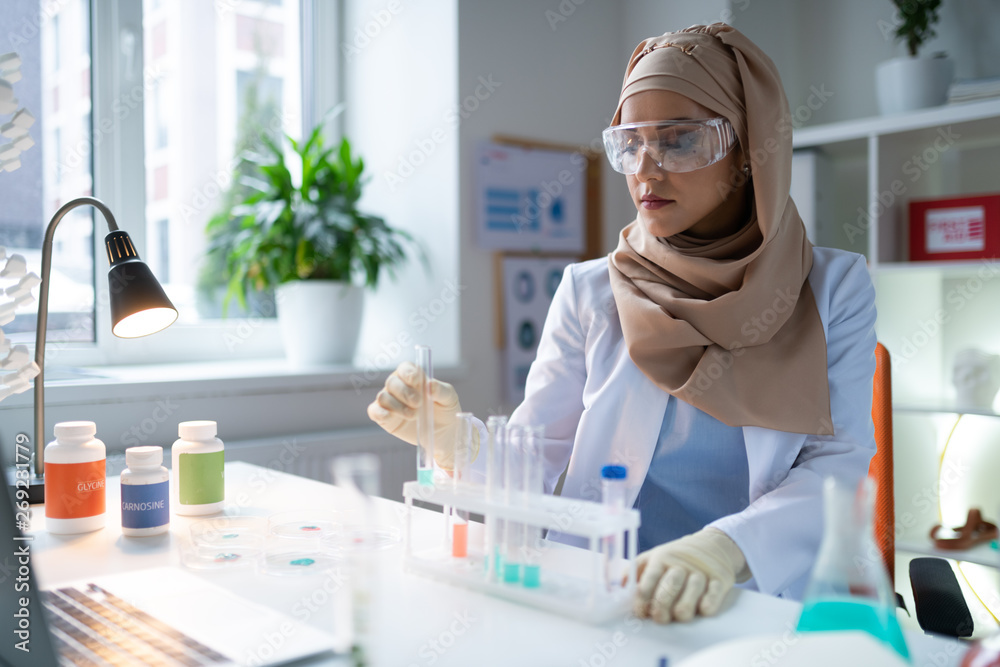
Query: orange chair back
x,y
881,465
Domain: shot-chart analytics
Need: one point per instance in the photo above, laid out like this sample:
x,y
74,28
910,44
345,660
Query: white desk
x,y
420,621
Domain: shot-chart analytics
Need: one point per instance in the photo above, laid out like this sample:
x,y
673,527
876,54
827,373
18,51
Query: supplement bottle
x,y
75,471
145,493
198,476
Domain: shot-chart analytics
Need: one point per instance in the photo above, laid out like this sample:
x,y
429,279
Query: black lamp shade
x,y
139,306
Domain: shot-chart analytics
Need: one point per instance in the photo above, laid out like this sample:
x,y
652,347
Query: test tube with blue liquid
x,y
513,494
425,418
533,466
614,494
495,427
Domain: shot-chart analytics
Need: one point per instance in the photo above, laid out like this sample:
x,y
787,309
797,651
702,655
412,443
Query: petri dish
x,y
224,542
294,542
228,530
305,524
359,538
292,560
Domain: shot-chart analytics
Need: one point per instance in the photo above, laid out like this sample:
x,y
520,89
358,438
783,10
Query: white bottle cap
x,y
143,457
197,430
75,430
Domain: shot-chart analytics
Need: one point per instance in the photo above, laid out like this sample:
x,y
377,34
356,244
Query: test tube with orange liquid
x,y
460,518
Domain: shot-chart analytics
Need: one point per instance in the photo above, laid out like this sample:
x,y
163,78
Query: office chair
x,y
880,468
939,604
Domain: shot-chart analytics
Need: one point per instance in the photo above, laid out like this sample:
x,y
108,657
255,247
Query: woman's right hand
x,y
395,410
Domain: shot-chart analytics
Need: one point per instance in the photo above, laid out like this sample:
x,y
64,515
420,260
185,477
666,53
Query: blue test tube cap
x,y
614,472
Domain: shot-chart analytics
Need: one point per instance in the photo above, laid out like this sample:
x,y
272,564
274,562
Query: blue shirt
x,y
698,474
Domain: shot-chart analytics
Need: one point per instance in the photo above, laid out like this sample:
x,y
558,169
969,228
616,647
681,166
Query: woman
x,y
718,354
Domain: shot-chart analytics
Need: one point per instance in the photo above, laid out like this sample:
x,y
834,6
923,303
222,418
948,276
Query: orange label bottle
x,y
75,472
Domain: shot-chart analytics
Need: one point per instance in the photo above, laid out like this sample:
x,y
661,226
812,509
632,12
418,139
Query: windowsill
x,y
64,385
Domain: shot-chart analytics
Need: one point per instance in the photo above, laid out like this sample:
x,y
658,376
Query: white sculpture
x,y
976,376
16,129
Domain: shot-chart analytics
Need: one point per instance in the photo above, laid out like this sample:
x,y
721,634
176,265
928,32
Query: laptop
x,y
157,616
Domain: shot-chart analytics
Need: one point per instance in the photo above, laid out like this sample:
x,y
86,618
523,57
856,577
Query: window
x,y
155,111
244,69
174,173
161,265
54,88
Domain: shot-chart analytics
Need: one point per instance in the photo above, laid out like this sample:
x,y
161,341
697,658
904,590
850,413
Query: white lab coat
x,y
599,408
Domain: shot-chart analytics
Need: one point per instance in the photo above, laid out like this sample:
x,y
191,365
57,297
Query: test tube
x,y
425,418
460,518
513,494
613,495
533,465
495,426
359,474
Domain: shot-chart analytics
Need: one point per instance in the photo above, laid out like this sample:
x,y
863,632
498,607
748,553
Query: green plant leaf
x,y
272,232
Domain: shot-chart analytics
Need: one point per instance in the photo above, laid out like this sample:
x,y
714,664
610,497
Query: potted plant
x,y
912,82
296,229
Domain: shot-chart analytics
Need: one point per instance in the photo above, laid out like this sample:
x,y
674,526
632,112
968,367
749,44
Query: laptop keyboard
x,y
94,627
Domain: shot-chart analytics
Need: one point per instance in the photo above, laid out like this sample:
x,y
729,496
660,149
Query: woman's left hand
x,y
687,576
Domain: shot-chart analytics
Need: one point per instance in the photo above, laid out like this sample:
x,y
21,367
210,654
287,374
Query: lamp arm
x,y
41,323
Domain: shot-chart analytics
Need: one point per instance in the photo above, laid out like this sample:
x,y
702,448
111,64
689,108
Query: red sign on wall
x,y
955,228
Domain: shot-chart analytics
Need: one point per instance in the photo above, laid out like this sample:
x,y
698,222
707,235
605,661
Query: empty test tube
x,y
425,418
359,475
460,518
613,495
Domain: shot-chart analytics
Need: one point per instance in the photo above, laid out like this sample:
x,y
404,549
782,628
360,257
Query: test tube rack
x,y
584,597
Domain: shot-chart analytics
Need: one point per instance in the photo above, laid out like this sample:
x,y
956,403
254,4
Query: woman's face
x,y
706,203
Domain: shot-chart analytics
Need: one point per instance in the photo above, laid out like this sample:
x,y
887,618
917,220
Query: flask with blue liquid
x,y
849,588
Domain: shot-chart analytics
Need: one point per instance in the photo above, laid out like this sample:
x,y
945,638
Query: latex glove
x,y
395,410
687,576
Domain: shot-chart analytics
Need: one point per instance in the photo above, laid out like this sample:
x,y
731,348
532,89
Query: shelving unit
x,y
927,311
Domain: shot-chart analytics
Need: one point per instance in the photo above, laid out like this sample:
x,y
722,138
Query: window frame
x,y
119,180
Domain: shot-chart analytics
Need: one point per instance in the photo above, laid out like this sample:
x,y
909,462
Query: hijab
x,y
729,325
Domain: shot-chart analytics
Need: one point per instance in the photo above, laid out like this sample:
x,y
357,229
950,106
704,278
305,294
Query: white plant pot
x,y
906,84
320,321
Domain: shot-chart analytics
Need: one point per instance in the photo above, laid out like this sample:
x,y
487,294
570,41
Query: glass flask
x,y
849,588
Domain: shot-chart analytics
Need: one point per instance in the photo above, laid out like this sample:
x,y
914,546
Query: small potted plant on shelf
x,y
913,82
296,229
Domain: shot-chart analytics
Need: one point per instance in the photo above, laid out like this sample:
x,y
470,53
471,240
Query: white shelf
x,y
982,554
941,409
863,128
958,266
876,167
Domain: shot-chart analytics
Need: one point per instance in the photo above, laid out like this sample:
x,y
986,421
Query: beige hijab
x,y
728,325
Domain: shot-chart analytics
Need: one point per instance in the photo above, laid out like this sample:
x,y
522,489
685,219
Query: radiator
x,y
311,455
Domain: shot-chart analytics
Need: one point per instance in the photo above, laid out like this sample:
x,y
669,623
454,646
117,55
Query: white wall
x,y
649,18
558,82
400,87
839,44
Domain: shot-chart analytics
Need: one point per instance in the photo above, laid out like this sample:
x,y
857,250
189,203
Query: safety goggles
x,y
674,145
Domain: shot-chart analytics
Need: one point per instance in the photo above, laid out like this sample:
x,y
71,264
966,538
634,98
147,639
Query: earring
x,y
746,169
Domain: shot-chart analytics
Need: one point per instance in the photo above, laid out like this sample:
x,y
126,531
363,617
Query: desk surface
x,y
420,621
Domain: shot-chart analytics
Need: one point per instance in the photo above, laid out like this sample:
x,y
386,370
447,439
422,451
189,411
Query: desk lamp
x,y
139,307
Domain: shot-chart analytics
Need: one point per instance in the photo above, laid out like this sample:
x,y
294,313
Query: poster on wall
x,y
530,199
529,284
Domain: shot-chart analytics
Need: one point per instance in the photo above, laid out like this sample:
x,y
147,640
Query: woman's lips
x,y
651,203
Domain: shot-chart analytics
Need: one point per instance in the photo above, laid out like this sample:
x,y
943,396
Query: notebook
x,y
157,616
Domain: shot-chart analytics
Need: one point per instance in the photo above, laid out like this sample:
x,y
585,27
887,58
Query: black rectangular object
x,y
937,598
